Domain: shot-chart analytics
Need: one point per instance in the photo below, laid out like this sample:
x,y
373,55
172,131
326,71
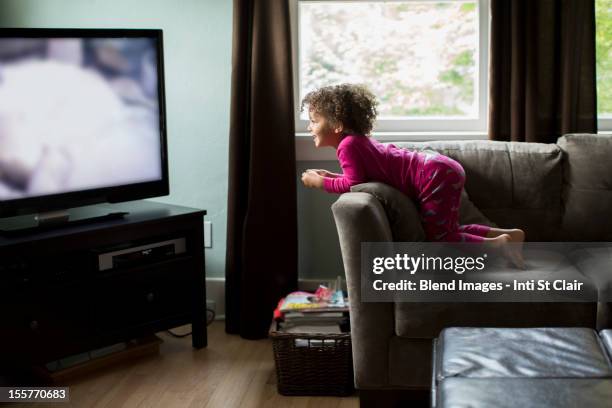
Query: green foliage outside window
x,y
419,58
603,10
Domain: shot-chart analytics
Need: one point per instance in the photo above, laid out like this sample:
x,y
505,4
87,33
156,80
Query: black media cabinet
x,y
55,302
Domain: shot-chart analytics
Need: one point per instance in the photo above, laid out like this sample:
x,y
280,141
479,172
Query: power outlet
x,y
207,234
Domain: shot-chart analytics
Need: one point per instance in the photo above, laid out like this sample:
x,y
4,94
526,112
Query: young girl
x,y
342,117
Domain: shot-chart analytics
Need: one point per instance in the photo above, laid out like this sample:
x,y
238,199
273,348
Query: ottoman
x,y
534,367
606,338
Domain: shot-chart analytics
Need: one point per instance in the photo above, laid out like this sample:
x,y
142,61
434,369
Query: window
x,y
603,38
425,60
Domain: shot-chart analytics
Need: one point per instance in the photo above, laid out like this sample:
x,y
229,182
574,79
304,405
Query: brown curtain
x,y
542,72
261,257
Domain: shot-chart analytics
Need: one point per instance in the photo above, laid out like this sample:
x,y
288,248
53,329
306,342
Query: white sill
x,y
306,151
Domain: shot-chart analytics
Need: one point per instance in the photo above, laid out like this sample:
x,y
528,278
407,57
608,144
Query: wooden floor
x,y
231,372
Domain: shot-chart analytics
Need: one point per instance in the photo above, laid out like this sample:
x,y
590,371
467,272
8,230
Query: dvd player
x,y
141,255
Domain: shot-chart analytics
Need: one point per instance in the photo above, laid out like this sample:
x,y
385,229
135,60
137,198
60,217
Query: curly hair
x,y
352,105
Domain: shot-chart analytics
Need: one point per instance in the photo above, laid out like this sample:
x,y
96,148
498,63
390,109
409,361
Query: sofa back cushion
x,y
516,185
587,187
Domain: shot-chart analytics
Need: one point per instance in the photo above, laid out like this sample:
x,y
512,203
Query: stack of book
x,y
303,312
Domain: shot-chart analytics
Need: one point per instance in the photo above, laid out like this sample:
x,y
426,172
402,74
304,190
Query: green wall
x,y
319,249
197,51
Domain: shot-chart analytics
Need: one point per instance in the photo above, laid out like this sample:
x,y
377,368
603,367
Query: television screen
x,y
80,111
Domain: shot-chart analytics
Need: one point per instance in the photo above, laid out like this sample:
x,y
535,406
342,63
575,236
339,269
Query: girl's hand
x,y
311,179
324,173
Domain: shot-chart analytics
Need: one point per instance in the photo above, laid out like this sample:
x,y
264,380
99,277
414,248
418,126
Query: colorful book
x,y
308,302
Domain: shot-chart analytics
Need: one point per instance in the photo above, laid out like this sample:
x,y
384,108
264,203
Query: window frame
x,y
438,128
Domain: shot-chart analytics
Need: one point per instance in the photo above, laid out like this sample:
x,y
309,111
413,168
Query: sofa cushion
x,y
594,260
587,189
515,185
470,214
487,168
403,213
524,392
426,320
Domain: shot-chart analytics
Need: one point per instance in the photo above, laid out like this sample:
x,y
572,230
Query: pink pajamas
x,y
441,181
433,180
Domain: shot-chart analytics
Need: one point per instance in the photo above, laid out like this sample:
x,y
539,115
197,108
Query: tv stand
x,y
30,224
56,299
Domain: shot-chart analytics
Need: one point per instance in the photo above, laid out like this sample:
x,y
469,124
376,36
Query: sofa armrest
x,y
402,213
360,218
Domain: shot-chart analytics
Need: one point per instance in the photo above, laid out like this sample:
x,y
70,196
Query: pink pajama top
x,y
364,159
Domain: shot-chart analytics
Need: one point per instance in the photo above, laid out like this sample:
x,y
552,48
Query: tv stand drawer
x,y
44,325
145,296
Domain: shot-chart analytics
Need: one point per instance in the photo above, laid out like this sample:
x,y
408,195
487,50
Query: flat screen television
x,y
82,118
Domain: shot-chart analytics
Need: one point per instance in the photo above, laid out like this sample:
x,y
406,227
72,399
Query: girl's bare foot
x,y
510,249
517,235
516,245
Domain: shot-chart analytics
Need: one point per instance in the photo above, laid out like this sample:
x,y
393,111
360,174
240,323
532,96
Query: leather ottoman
x,y
535,367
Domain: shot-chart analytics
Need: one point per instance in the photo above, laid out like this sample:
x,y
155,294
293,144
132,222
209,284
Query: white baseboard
x,y
215,291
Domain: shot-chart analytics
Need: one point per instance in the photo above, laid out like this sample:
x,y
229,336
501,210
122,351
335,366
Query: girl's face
x,y
322,131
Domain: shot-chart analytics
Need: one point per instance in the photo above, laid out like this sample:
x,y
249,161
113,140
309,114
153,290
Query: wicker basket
x,y
313,364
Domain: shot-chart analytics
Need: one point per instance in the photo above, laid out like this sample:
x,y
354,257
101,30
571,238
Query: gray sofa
x,y
555,192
